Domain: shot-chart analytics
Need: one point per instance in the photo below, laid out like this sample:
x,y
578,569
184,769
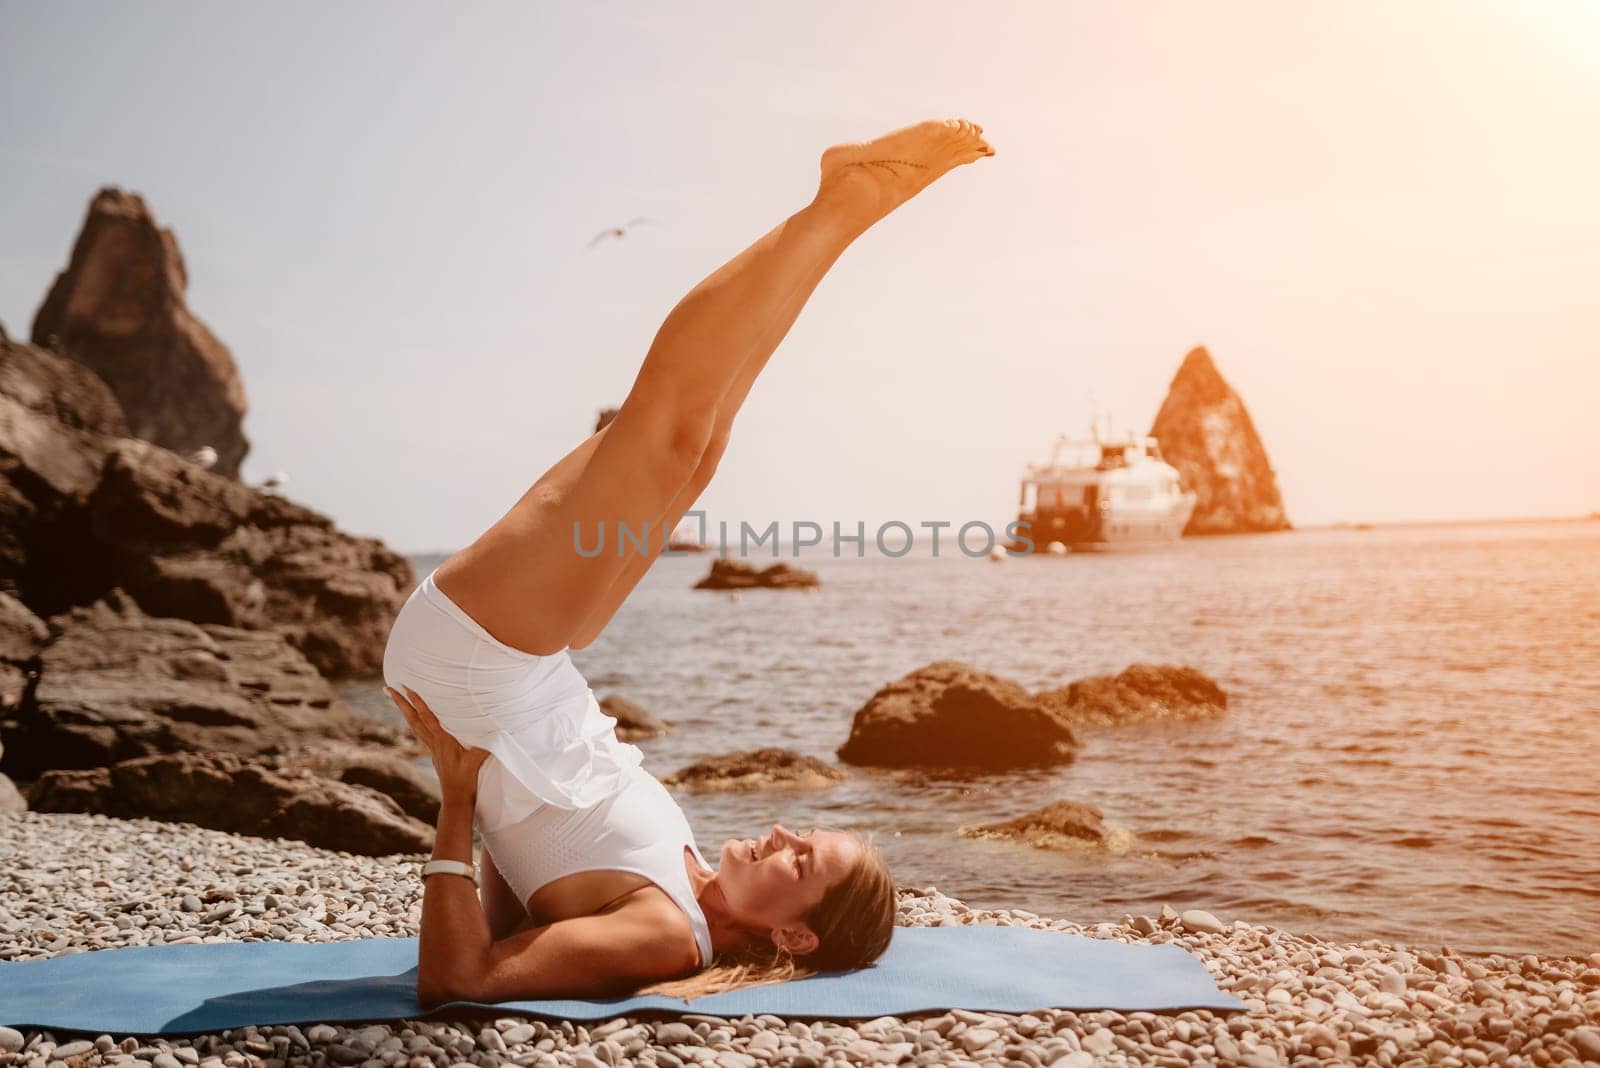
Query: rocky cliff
x,y
192,617
119,309
1206,433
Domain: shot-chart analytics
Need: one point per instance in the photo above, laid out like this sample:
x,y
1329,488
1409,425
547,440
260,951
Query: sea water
x,y
1411,750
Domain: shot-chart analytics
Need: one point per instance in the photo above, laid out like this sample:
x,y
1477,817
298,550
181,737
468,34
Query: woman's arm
x,y
453,947
455,937
459,959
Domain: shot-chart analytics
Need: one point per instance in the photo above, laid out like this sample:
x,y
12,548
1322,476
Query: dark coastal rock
x,y
84,510
413,789
190,544
22,633
633,723
1061,825
117,684
949,714
61,390
392,773
1142,693
730,574
57,420
11,799
14,681
756,769
119,309
1205,432
227,793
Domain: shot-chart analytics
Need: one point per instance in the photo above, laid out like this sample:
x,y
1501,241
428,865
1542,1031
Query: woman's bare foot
x,y
872,178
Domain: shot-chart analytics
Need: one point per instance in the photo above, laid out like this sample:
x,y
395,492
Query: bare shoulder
x,y
661,930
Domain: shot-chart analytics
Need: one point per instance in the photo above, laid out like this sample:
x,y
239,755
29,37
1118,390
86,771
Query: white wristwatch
x,y
449,867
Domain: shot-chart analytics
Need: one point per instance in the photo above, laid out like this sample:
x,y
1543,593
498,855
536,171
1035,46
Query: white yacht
x,y
1094,495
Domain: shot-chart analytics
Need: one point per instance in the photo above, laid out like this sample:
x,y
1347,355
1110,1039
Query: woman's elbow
x,y
435,990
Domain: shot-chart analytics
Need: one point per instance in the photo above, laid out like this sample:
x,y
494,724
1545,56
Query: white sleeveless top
x,y
639,829
563,794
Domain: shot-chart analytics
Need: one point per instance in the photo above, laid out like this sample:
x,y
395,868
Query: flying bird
x,y
617,231
274,482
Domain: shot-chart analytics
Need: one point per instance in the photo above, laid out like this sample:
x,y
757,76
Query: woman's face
x,y
773,882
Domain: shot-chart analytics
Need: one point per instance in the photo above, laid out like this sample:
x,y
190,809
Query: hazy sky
x,y
1382,219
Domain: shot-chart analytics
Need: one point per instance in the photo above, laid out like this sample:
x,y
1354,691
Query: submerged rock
x,y
730,574
1141,693
119,309
634,724
950,714
227,793
117,684
1064,825
756,770
1206,433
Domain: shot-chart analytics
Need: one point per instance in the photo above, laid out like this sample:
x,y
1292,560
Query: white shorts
x,y
550,741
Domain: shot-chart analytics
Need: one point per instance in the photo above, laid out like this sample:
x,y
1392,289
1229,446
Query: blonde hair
x,y
853,923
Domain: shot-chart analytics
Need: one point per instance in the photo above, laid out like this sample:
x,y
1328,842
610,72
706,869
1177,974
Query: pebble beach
x,y
72,883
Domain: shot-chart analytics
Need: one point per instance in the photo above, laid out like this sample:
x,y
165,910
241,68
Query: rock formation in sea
x,y
729,574
1141,693
119,309
756,769
228,793
85,509
1206,433
950,714
680,541
1062,825
634,724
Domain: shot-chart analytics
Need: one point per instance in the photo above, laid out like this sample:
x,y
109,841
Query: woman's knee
x,y
716,445
687,440
677,435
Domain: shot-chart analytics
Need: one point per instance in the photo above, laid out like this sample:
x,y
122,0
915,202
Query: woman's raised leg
x,y
732,401
525,579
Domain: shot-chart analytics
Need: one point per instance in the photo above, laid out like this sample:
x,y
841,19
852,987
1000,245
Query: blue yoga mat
x,y
217,985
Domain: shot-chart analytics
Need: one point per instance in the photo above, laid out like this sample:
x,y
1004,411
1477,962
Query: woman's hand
x,y
456,764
